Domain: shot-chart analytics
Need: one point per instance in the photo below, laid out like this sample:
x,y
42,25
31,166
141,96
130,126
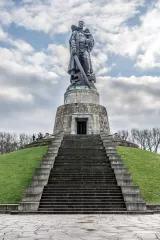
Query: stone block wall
x,y
67,114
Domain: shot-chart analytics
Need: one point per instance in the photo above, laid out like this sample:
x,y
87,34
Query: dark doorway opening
x,y
81,126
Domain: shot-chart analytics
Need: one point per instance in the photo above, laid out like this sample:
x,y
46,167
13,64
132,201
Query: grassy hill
x,y
144,167
16,170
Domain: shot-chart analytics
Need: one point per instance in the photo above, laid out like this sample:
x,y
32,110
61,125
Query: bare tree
x,y
156,138
147,139
24,139
123,135
139,137
10,141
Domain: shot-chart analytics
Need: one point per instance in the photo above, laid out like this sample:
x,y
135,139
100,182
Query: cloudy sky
x,y
34,57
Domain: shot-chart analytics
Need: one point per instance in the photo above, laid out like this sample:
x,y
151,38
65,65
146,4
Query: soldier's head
x,y
81,24
87,32
74,28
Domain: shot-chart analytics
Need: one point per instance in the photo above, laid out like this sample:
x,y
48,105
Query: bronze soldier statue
x,y
80,65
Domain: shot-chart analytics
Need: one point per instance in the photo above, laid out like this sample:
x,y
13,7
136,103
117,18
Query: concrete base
x,y
68,114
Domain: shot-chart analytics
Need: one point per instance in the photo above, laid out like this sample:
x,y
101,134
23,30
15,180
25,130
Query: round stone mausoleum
x,y
81,112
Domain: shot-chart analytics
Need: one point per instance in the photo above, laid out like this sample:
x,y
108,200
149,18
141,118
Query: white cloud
x,y
21,59
131,101
149,30
58,57
21,45
140,42
15,94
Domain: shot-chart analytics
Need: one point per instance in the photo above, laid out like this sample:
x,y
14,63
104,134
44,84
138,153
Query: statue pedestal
x,y
81,94
81,113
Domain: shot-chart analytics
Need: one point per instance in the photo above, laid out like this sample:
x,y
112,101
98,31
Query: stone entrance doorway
x,y
82,126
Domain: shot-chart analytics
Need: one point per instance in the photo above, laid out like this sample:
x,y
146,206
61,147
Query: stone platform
x,y
86,227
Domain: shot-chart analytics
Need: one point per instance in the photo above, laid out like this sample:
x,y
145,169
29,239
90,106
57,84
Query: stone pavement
x,y
79,227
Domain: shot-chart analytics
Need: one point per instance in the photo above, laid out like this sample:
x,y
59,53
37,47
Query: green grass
x,y
144,167
16,170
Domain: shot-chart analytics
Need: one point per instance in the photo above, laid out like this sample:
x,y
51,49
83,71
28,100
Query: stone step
x,y
59,164
83,187
80,170
82,161
88,188
83,167
82,211
82,191
83,184
88,192
82,174
81,177
88,183
91,157
81,199
112,210
72,201
78,137
86,152
81,141
81,195
85,197
81,206
89,205
81,147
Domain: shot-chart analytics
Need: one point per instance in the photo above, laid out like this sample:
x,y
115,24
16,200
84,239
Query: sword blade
x,y
81,70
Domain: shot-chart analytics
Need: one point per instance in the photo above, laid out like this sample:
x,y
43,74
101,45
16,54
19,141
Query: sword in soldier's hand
x,y
81,69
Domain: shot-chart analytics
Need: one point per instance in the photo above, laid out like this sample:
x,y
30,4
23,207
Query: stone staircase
x,y
131,193
82,179
82,174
